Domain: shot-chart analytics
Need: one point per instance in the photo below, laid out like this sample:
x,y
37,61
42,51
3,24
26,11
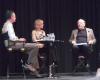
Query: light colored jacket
x,y
90,36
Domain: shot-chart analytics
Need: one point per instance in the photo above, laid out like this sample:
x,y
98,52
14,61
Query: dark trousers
x,y
43,59
46,57
82,50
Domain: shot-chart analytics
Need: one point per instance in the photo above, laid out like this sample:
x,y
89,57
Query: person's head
x,y
38,24
10,15
81,24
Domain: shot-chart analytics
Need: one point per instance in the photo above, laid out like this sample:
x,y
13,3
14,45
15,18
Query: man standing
x,y
9,35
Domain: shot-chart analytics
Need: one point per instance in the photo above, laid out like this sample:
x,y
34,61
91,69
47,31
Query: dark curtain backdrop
x,y
60,17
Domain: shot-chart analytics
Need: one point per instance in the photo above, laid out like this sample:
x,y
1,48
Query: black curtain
x,y
60,17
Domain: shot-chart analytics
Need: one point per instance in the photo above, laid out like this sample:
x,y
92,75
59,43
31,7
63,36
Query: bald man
x,y
82,38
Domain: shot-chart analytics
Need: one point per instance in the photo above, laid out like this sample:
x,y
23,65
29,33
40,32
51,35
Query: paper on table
x,y
81,44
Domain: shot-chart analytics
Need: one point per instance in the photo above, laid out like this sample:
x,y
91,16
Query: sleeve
x,y
71,37
33,36
93,36
11,33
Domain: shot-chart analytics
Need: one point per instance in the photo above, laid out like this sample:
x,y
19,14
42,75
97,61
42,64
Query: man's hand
x,y
22,39
74,43
90,42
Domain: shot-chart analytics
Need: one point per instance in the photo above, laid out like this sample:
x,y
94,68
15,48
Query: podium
x,y
52,55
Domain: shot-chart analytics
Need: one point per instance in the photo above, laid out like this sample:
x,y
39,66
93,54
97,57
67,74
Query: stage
x,y
60,76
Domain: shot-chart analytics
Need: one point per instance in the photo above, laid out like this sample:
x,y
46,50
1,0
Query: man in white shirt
x,y
32,49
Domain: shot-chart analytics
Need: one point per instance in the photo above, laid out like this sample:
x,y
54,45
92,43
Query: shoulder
x,y
33,31
89,29
75,30
7,24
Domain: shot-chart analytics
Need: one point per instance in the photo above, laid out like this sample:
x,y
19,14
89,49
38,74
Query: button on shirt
x,y
8,27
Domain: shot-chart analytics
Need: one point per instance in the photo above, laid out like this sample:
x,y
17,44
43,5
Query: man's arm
x,y
11,33
33,36
72,40
93,37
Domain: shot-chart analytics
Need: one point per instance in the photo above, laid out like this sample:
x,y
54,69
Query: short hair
x,y
38,20
81,20
8,14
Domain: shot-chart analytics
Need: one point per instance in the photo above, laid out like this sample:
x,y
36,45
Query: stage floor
x,y
60,76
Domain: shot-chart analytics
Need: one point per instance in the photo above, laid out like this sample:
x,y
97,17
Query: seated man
x,y
82,38
31,48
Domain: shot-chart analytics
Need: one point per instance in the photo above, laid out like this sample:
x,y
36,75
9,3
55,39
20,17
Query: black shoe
x,y
33,70
36,74
25,67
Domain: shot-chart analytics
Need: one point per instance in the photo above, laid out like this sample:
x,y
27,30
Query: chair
x,y
81,64
12,55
